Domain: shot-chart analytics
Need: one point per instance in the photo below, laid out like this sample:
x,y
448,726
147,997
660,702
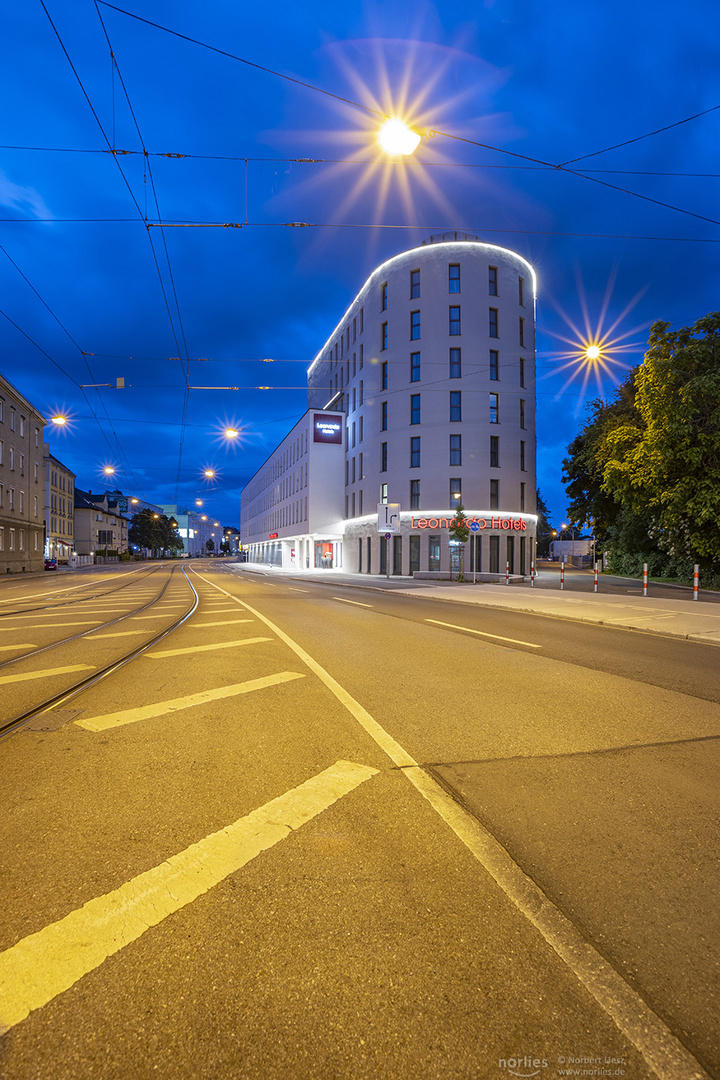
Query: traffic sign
x,y
388,517
388,535
474,526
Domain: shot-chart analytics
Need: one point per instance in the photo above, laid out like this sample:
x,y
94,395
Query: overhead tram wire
x,y
118,448
458,138
186,366
125,180
363,161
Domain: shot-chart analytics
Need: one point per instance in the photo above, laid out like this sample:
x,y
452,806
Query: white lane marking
x,y
663,1052
46,674
356,603
205,648
483,633
45,964
163,708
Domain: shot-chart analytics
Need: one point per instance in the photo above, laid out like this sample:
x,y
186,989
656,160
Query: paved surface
x,y
681,616
518,864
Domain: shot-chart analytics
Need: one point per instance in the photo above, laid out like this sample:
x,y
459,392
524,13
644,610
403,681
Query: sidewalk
x,y
691,619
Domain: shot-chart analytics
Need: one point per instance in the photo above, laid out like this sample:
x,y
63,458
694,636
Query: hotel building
x,y
431,370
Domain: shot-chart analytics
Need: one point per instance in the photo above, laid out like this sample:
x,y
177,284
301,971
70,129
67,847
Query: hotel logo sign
x,y
327,428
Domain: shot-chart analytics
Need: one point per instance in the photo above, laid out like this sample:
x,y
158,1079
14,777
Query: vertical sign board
x,y
388,517
327,428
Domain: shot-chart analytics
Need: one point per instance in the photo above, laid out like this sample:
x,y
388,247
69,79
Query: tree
x,y
667,465
459,531
154,532
544,532
209,545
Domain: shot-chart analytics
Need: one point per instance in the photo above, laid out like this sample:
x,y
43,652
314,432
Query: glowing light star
x,y
60,421
109,470
231,433
598,352
397,137
210,473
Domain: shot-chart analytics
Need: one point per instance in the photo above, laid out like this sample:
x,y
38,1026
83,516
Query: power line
x,y
639,138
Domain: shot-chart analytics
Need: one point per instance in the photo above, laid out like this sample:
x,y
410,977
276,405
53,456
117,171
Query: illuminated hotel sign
x,y
272,536
327,428
506,521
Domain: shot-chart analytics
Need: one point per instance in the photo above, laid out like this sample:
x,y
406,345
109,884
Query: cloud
x,y
18,197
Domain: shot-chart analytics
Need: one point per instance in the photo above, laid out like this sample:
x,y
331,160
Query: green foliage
x,y
460,530
544,532
158,533
646,467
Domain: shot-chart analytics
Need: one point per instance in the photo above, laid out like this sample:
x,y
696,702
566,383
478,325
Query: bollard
x,y
645,579
596,577
532,574
507,573
562,574
696,580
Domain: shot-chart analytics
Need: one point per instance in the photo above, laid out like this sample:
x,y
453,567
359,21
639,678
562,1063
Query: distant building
x,y
581,546
22,489
99,523
195,528
59,508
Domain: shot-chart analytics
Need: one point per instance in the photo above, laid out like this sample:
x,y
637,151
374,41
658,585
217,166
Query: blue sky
x,y
91,293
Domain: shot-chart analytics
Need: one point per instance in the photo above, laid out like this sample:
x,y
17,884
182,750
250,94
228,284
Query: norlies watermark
x,y
525,1066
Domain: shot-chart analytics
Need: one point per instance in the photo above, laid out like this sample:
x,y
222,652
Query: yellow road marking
x,y
163,708
206,648
47,963
75,622
7,648
355,602
223,622
664,1053
134,617
117,633
482,633
46,674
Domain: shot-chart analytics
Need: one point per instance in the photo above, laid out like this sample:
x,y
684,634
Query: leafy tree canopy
x,y
158,533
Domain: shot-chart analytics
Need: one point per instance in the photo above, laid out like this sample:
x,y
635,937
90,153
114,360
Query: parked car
x,y
51,564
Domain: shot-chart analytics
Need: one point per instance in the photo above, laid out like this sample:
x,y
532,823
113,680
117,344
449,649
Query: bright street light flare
x,y
396,137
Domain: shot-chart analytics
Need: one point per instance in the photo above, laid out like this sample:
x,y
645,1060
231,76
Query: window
x,y
22,464
37,436
383,493
455,492
521,291
352,475
494,554
354,399
12,458
362,322
492,280
522,497
493,323
361,474
384,376
383,416
361,429
454,321
414,553
360,393
494,494
22,426
494,365
12,424
454,277
434,552
2,538
455,364
383,457
522,413
354,428
354,330
1,451
12,539
362,351
456,449
414,284
414,325
383,337
415,367
494,409
522,371
521,330
495,452
415,452
414,408
455,406
415,498
383,296
522,455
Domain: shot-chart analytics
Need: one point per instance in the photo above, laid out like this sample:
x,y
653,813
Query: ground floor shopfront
x,y
499,543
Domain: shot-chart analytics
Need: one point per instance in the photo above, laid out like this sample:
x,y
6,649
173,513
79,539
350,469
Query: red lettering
x,y
482,522
443,523
523,525
494,523
432,523
422,523
517,524
505,523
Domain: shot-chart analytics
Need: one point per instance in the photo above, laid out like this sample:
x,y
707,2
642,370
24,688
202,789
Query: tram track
x,y
27,680
69,601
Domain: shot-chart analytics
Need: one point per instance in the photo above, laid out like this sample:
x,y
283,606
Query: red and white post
x,y
507,573
532,574
645,579
596,577
696,581
562,573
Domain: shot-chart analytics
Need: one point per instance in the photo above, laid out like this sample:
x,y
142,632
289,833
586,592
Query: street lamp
x,y
396,137
231,433
59,421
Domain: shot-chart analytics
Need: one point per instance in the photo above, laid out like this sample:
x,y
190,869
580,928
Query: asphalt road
x,y
322,832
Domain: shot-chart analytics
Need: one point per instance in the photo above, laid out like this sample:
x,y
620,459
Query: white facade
x,y
292,509
432,368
